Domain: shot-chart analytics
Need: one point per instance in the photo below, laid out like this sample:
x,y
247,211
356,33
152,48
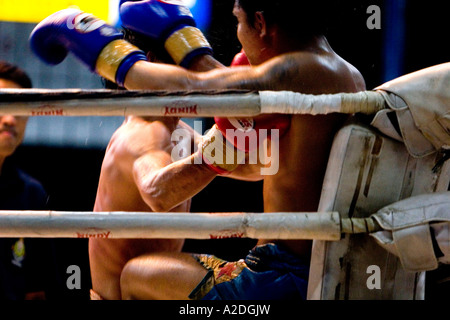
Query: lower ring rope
x,y
65,224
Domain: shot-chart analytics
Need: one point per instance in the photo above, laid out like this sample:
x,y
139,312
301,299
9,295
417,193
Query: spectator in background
x,y
21,260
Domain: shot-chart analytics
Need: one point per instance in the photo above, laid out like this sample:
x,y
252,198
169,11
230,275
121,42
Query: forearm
x,y
105,52
205,62
157,76
168,187
246,172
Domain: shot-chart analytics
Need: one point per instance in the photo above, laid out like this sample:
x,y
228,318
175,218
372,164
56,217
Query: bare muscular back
x,y
304,150
117,191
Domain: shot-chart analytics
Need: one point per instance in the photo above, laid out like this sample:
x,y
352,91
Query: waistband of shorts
x,y
272,256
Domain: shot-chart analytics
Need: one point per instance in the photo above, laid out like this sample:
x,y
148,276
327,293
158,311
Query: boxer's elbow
x,y
153,194
155,197
159,206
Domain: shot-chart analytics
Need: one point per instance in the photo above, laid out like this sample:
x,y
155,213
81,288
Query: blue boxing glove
x,y
90,39
170,23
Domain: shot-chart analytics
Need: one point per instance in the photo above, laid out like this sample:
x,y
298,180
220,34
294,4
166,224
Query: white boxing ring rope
x,y
227,103
147,225
397,229
236,103
231,103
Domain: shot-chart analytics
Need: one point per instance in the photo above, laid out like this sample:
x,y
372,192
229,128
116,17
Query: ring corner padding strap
x,y
415,248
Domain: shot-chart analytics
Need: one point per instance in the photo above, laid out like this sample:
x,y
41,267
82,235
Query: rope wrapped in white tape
x,y
367,102
65,224
224,103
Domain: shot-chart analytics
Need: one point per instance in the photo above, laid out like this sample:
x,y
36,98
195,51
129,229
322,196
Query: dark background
x,y
70,175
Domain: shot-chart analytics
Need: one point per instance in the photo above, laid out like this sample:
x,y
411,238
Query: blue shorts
x,y
268,272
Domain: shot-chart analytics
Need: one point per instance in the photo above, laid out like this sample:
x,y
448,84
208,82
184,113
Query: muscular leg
x,y
160,276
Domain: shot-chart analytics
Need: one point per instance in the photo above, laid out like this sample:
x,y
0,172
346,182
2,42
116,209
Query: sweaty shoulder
x,y
137,136
313,73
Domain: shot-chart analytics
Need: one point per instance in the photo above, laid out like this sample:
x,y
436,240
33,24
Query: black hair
x,y
301,19
154,49
13,73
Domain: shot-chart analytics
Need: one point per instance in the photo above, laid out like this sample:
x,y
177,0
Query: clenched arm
x,y
165,187
147,75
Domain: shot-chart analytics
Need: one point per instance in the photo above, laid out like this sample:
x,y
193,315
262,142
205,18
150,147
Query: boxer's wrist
x,y
219,154
247,133
185,44
204,62
116,59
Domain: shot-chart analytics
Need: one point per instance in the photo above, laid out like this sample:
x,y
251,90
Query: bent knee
x,y
138,279
128,280
160,276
